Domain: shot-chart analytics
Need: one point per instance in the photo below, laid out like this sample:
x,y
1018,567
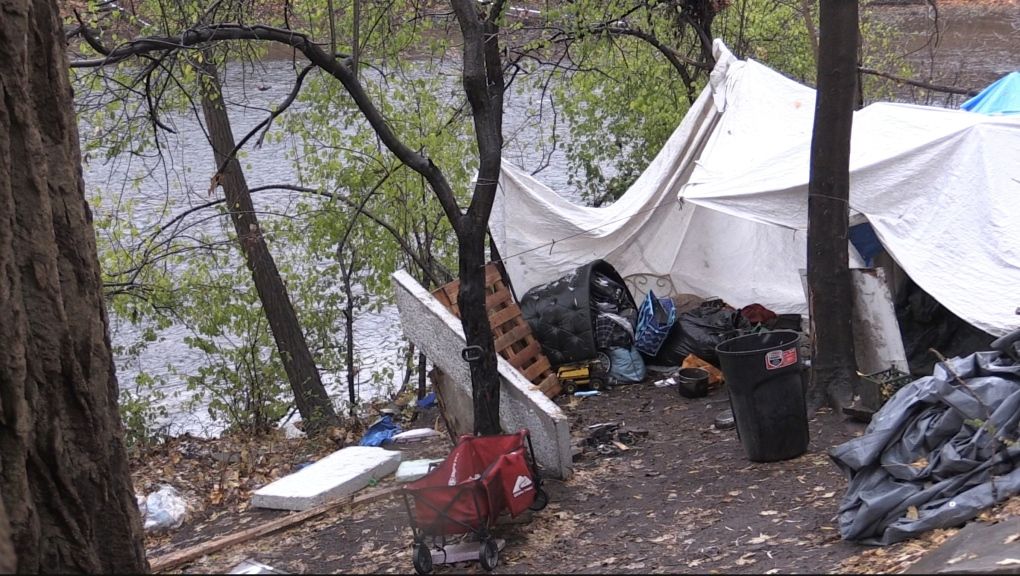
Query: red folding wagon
x,y
481,478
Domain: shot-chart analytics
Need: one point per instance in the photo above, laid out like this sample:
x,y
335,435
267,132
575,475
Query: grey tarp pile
x,y
934,455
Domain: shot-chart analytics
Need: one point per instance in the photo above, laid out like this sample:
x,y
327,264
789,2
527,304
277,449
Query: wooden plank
x,y
505,315
537,369
443,297
503,342
450,292
551,386
175,559
496,299
492,275
528,352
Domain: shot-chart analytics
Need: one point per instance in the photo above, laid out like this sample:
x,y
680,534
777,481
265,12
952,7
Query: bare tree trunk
x,y
68,505
809,23
477,332
483,84
833,368
309,394
422,384
352,387
8,561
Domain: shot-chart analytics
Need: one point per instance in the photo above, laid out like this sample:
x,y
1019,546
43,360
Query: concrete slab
x,y
415,435
978,548
249,566
438,333
877,342
414,469
340,474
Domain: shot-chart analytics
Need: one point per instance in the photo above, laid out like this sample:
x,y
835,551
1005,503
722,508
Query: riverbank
x,y
673,495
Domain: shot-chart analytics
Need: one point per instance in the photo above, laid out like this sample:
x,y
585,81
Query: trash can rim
x,y
720,350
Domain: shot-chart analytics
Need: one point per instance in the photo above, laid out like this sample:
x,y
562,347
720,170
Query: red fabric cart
x,y
482,477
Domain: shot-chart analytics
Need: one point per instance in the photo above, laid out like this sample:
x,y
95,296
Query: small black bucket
x,y
767,394
692,382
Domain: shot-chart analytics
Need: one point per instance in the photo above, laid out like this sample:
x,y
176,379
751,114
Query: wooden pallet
x,y
512,335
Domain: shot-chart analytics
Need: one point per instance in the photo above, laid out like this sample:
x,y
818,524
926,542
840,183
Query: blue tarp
x,y
380,432
428,401
999,97
864,239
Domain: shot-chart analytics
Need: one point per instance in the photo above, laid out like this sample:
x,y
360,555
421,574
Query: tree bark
x,y
833,368
8,560
309,394
809,24
68,504
483,84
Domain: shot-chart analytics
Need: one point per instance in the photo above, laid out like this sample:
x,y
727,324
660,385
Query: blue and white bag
x,y
655,319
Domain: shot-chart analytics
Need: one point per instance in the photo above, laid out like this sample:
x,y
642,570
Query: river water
x,y
975,46
179,179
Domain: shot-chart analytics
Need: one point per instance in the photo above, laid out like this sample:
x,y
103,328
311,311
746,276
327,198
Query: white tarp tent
x,y
722,209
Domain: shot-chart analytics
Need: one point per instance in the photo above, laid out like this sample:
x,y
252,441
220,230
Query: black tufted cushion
x,y
561,316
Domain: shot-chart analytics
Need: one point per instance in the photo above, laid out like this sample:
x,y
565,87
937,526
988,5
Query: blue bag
x,y
655,319
626,364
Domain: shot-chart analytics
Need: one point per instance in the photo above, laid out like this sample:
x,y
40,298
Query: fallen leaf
x,y
761,538
960,558
746,559
912,513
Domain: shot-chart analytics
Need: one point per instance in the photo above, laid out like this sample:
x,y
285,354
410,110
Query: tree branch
x,y
919,84
199,35
263,124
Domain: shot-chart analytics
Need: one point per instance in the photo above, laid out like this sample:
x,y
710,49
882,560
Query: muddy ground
x,y
676,495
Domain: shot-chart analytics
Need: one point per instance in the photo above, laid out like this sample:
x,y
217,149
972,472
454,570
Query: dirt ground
x,y
675,495
681,498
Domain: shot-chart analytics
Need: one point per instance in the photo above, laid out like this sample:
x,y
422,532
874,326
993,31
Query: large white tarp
x,y
722,209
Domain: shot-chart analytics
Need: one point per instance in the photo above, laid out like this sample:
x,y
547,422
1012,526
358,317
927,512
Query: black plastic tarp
x,y
936,454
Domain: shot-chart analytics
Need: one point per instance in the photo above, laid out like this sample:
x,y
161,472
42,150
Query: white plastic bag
x,y
164,509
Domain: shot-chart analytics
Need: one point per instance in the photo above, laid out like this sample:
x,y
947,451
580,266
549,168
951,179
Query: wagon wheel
x,y
541,499
570,386
422,559
602,357
488,555
596,383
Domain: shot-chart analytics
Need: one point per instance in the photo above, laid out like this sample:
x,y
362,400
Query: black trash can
x,y
767,395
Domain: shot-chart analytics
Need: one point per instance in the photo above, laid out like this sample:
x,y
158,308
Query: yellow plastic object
x,y
715,375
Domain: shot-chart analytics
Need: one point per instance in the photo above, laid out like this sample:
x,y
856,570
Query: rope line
x,y
552,243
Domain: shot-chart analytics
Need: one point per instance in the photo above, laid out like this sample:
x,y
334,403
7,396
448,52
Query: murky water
x,y
974,46
965,45
179,180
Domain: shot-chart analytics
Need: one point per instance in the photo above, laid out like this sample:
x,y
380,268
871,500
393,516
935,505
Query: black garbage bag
x,y
698,332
